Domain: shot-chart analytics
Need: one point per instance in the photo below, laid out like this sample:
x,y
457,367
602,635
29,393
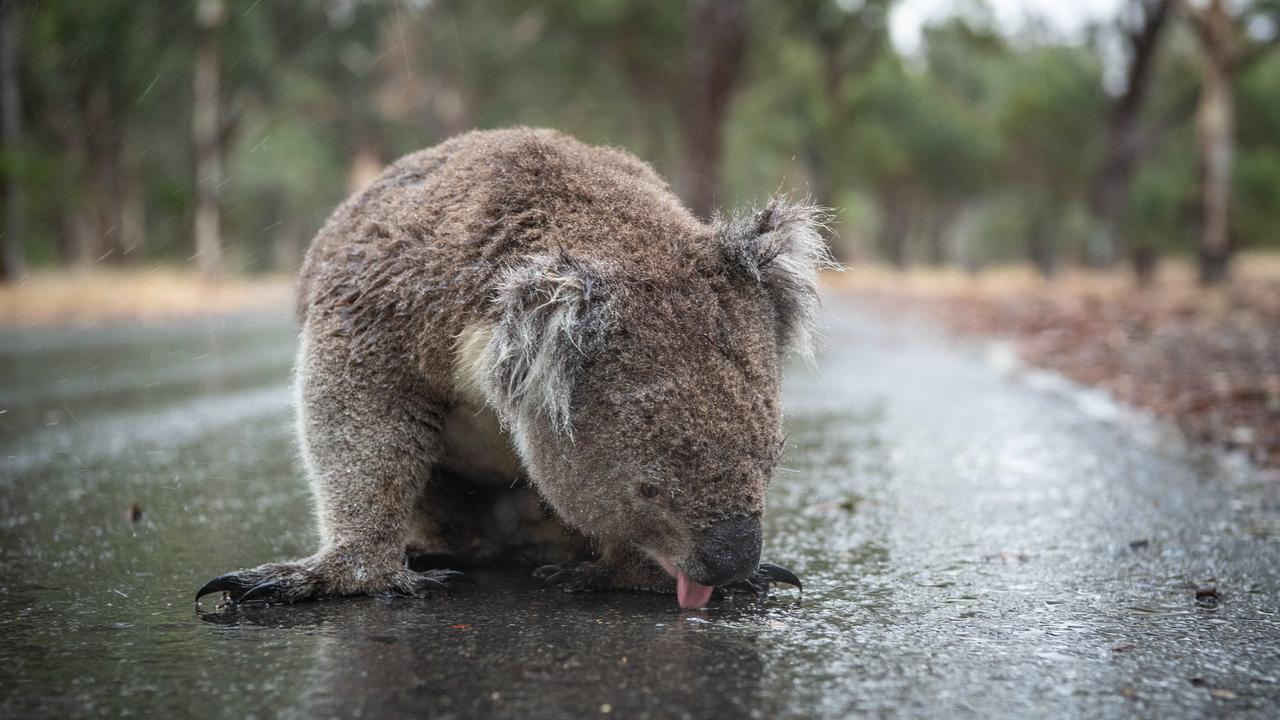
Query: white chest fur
x,y
475,444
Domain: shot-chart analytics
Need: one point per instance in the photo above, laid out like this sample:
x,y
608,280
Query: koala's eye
x,y
649,490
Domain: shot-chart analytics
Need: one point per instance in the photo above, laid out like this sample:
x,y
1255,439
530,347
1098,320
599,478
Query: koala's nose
x,y
729,550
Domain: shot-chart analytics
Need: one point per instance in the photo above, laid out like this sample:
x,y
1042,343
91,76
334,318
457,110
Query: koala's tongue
x,y
690,593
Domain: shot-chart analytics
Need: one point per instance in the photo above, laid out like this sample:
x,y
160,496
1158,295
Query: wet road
x,y
975,541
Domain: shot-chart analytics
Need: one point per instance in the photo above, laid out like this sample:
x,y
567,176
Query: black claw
x,y
452,576
546,571
762,580
777,574
434,581
229,583
427,583
560,577
263,592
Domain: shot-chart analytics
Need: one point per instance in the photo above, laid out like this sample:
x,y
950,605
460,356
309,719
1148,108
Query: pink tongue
x,y
689,593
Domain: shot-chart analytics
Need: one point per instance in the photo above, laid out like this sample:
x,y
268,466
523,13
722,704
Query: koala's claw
x,y
264,592
288,583
270,584
559,577
450,577
583,577
231,583
778,574
417,584
763,579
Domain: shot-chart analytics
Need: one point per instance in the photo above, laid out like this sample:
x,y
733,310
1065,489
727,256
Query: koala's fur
x,y
514,309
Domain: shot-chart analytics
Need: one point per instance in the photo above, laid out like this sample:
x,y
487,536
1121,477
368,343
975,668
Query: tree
x,y
1049,123
716,47
1215,128
887,110
1142,25
848,41
921,153
1225,49
205,135
1255,200
12,260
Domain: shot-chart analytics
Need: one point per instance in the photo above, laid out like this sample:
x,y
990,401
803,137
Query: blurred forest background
x,y
222,132
1074,177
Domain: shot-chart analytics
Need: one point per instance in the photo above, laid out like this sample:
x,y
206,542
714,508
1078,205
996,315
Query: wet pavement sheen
x,y
974,541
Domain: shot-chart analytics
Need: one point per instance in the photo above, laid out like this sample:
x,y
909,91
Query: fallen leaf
x,y
1208,596
1223,694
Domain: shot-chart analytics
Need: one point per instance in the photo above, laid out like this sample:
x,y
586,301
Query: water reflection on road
x,y
971,543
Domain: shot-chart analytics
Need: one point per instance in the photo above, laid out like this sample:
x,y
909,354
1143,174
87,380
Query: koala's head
x,y
643,396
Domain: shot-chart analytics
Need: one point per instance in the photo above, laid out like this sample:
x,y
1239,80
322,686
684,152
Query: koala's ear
x,y
556,312
781,247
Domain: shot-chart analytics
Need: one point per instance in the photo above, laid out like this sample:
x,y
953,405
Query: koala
x,y
515,346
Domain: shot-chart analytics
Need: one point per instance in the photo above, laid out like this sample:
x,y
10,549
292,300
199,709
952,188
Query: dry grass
x,y
81,298
1175,275
1209,359
78,298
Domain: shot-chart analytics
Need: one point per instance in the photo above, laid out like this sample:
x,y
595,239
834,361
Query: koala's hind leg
x,y
369,434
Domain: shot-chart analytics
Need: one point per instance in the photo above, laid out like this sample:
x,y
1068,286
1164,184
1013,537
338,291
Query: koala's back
x,y
402,267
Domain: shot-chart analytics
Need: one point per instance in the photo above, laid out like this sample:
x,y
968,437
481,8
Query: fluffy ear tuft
x,y
555,314
781,247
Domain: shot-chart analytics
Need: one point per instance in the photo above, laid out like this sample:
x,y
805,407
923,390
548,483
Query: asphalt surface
x,y
975,539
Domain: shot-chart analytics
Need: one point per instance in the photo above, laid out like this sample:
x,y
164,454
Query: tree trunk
x,y
133,214
210,15
1042,243
937,232
100,244
1215,131
895,222
77,238
12,258
1124,141
820,138
1215,122
1145,262
717,41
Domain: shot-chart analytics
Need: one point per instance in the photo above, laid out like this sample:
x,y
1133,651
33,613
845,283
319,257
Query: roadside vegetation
x,y
1208,360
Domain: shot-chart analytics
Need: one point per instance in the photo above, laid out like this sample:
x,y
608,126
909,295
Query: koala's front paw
x,y
582,577
762,580
326,577
280,583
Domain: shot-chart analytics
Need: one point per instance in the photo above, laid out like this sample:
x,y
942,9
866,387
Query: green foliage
x,y
1161,215
1256,211
976,150
1051,120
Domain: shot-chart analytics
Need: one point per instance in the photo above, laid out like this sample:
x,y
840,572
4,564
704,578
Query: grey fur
x,y
781,247
555,314
514,317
